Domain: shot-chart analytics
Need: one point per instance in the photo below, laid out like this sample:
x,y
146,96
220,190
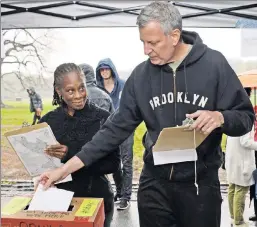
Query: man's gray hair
x,y
163,12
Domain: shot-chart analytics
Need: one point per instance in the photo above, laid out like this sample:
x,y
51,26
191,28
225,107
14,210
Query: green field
x,y
18,112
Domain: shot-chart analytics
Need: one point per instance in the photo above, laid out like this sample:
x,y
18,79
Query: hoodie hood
x,y
107,62
118,83
89,74
198,48
197,51
32,89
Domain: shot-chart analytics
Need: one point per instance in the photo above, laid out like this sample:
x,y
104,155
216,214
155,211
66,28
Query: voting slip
x,y
177,144
51,200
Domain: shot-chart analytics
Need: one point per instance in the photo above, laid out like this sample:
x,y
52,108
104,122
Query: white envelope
x,y
177,144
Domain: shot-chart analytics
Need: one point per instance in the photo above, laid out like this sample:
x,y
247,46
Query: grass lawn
x,y
19,112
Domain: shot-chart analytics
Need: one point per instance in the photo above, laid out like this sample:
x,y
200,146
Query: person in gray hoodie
x,y
36,104
95,94
108,79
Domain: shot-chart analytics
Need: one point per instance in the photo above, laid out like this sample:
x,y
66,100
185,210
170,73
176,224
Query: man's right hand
x,y
57,151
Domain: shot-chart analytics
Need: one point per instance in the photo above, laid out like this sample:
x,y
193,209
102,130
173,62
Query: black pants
x,y
165,204
35,118
252,190
123,177
252,196
95,187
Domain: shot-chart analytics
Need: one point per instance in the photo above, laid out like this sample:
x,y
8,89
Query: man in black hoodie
x,y
182,78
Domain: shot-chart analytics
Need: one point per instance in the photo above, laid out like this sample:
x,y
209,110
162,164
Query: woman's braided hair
x,y
60,72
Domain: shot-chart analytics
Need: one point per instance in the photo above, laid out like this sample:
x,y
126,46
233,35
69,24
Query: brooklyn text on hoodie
x,y
181,97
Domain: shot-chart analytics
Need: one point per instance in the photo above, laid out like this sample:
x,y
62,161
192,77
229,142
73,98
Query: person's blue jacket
x,y
118,83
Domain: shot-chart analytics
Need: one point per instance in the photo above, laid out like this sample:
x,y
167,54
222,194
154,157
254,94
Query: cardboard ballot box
x,y
83,212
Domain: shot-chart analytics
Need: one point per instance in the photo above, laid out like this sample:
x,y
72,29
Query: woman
x,y
74,123
240,164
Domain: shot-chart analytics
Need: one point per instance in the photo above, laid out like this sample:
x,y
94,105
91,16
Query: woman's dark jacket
x,y
75,131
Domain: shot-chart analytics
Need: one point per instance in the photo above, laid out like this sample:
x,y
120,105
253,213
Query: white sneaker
x,y
246,224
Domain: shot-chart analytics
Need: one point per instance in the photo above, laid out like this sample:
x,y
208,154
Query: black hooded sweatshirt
x,y
162,98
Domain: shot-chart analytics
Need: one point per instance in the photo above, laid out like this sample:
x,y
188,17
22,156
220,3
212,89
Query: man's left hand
x,y
206,121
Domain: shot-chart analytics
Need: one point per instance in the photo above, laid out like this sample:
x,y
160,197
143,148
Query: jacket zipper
x,y
175,96
175,114
171,171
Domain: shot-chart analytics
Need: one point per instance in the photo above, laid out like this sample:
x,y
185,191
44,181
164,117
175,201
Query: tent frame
x,y
113,10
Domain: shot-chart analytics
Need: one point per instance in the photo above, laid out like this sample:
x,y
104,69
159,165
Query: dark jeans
x,y
123,177
252,190
252,196
35,118
95,187
162,203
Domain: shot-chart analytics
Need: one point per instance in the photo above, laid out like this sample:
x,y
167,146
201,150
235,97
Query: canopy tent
x,y
117,13
249,79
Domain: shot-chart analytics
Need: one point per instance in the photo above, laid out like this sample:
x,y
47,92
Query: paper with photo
x,y
29,143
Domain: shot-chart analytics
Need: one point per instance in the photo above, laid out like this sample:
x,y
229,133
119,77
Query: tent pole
x,y
102,7
222,11
112,10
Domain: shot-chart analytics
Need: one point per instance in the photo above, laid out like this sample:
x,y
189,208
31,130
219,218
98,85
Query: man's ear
x,y
175,34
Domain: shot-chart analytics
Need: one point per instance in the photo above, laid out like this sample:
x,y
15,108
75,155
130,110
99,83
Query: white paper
x,y
174,156
51,200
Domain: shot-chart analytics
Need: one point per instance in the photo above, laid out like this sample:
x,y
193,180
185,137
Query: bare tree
x,y
23,51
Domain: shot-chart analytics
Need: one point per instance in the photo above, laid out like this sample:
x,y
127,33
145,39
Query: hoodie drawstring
x,y
195,164
196,185
161,107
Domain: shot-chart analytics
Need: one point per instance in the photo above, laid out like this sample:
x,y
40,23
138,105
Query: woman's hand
x,y
57,151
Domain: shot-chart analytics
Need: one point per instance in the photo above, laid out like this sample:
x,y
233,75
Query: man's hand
x,y
48,178
57,151
206,121
38,112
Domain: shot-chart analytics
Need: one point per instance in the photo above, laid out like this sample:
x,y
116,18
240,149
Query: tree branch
x,y
31,47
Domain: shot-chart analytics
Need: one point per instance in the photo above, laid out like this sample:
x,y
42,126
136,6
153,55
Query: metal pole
x,y
108,12
102,7
226,11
